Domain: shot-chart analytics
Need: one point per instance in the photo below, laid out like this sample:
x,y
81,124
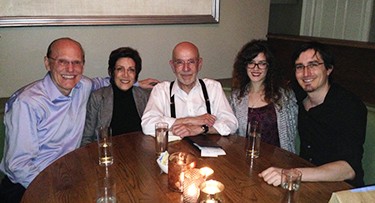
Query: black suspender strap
x,y
205,95
173,107
204,90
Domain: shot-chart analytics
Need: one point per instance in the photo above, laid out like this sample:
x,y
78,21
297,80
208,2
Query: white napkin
x,y
210,151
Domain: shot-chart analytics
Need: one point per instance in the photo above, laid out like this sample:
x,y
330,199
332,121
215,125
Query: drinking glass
x,y
105,146
291,179
161,137
253,139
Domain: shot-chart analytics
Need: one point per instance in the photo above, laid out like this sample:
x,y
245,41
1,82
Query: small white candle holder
x,y
211,192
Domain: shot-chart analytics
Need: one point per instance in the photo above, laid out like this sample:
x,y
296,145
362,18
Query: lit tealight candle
x,y
206,171
210,191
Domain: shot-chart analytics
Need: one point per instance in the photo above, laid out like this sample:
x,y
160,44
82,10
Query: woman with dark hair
x,y
259,94
120,105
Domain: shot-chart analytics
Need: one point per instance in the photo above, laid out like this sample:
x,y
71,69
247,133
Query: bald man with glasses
x,y
191,106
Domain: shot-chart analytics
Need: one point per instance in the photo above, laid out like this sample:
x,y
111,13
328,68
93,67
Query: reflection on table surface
x,y
72,178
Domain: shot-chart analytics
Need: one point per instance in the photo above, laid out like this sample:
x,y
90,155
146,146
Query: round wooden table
x,y
72,178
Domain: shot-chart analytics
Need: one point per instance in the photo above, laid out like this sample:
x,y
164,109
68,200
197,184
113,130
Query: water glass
x,y
291,179
253,139
161,137
105,146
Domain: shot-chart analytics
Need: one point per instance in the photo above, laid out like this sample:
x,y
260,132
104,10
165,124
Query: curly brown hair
x,y
273,81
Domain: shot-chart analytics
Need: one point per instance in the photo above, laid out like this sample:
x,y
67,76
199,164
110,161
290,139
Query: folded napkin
x,y
208,147
210,151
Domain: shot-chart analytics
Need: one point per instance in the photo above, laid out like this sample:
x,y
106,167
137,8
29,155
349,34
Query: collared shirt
x,y
334,130
42,125
188,105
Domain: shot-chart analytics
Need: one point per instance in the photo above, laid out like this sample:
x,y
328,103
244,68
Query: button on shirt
x,y
42,125
188,105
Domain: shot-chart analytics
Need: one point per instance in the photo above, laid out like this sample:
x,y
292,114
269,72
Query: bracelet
x,y
205,129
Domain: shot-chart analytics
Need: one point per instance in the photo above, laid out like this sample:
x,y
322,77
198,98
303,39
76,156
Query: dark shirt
x,y
334,130
125,116
266,116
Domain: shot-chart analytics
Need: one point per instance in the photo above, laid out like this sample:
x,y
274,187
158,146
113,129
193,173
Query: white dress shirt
x,y
188,105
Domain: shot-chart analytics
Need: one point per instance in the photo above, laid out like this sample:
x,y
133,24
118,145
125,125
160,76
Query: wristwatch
x,y
205,129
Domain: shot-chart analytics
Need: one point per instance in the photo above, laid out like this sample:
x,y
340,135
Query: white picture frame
x,y
16,13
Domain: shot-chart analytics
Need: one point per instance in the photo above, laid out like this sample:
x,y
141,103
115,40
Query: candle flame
x,y
206,171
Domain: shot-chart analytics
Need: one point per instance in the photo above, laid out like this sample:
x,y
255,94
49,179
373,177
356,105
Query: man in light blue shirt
x,y
45,119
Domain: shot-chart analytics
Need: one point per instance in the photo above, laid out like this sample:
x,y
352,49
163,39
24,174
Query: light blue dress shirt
x,y
42,125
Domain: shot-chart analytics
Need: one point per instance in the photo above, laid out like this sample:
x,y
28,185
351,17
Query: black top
x,y
125,116
334,130
266,117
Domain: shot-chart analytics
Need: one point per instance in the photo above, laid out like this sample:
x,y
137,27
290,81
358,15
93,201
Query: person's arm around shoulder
x,y
148,83
99,82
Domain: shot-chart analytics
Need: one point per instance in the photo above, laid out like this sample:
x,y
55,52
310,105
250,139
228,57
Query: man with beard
x,y
331,122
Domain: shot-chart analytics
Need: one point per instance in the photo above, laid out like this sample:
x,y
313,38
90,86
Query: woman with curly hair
x,y
259,94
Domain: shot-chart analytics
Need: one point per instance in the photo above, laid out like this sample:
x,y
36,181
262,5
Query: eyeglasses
x,y
63,62
261,65
310,66
190,62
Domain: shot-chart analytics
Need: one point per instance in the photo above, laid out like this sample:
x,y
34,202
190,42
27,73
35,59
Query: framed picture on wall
x,y
15,13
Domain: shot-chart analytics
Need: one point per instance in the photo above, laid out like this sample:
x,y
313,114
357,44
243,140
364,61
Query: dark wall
x,y
285,18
